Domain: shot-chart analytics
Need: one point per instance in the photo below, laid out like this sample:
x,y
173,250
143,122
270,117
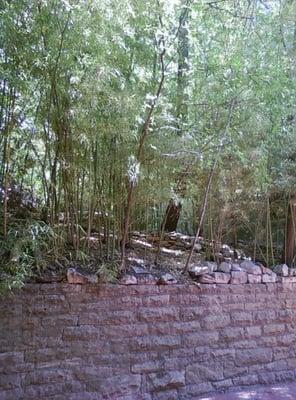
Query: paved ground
x,y
274,392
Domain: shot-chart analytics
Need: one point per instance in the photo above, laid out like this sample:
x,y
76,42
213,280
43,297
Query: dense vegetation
x,y
115,114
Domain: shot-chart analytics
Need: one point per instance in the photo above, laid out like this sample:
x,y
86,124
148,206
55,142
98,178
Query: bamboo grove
x,y
115,114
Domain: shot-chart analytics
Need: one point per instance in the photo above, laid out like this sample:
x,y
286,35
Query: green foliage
x,y
77,81
27,250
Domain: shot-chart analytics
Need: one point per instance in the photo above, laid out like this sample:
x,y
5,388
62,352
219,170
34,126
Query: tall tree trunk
x,y
174,208
172,216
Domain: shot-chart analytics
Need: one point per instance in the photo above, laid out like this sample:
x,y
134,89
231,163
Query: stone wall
x,y
92,342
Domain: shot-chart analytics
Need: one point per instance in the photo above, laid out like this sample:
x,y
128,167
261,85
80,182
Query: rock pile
x,y
240,272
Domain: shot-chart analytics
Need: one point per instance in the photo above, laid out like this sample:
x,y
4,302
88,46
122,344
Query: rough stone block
x,y
251,268
281,269
254,278
165,381
201,373
274,328
155,343
216,321
244,316
253,356
201,338
231,334
269,278
287,279
224,267
239,277
253,331
159,314
215,277
85,332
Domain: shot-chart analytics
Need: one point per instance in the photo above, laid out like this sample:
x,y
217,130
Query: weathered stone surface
x,y
215,277
165,381
167,279
197,270
254,278
76,277
201,373
207,278
147,279
269,278
265,270
239,277
145,342
235,267
212,266
224,267
292,271
250,267
128,280
281,269
138,269
253,356
287,279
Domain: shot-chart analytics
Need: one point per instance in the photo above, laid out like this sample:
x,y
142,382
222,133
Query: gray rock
x,y
197,247
147,279
287,279
250,267
169,380
167,279
254,278
235,267
265,270
207,278
281,269
197,270
292,271
238,277
224,267
226,251
138,270
213,266
266,278
75,277
215,277
197,372
128,280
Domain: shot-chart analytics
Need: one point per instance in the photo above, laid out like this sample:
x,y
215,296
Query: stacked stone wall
x,y
144,342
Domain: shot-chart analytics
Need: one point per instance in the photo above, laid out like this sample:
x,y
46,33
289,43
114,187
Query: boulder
x,y
167,279
281,269
207,278
138,270
235,267
265,270
226,251
224,267
128,280
215,277
75,277
197,270
251,268
212,266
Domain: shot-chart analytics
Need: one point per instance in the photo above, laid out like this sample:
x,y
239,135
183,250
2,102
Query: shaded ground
x,y
274,392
